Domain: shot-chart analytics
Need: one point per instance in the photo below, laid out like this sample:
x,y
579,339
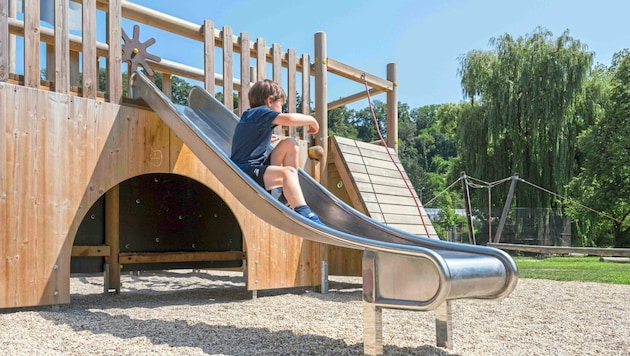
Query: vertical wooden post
x,y
276,63
245,74
114,60
321,97
61,58
7,41
74,69
291,86
167,85
112,237
228,68
392,108
208,56
276,73
90,70
261,59
306,90
50,69
31,43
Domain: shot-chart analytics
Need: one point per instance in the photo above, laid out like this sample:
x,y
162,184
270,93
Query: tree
x,y
604,181
523,102
339,123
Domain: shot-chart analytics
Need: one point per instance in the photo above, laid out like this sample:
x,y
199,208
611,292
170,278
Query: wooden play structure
x,y
93,181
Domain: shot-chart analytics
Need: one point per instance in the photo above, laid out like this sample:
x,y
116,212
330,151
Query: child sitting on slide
x,y
254,133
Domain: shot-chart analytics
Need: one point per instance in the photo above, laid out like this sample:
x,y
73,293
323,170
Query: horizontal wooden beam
x,y
595,251
355,74
91,251
163,257
352,98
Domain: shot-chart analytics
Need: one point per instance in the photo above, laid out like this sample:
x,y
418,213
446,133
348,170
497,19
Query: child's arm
x,y
296,119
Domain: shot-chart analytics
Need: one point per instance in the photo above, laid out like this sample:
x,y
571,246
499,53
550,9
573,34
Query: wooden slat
x,y
396,218
261,59
386,190
89,65
245,74
306,93
388,199
4,41
228,70
276,63
114,58
415,229
291,87
167,85
31,43
276,72
60,63
163,257
208,56
382,180
91,251
400,209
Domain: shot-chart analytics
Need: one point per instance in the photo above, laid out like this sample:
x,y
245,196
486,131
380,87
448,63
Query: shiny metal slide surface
x,y
400,270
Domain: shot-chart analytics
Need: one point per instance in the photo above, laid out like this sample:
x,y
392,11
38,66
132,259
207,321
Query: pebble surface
x,y
212,313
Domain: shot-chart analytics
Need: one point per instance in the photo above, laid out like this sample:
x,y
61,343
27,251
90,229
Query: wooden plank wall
x,y
60,153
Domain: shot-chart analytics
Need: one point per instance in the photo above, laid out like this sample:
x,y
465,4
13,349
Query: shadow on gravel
x,y
216,339
168,288
86,314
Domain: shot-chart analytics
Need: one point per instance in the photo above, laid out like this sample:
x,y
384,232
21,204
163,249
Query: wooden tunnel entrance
x,y
161,215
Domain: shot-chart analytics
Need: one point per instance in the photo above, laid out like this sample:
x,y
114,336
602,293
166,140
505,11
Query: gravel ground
x,y
210,312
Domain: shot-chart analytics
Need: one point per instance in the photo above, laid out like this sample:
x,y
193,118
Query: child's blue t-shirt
x,y
252,136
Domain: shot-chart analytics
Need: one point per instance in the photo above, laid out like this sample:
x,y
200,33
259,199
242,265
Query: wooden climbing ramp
x,y
366,176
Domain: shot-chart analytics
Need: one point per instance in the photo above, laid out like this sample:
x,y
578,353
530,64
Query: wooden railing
x,y
62,59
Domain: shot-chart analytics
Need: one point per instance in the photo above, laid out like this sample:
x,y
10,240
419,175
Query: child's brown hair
x,y
263,89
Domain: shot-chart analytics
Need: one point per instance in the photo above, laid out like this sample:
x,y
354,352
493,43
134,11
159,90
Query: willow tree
x,y
524,96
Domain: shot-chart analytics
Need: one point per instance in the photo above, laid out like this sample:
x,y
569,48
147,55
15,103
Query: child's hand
x,y
313,128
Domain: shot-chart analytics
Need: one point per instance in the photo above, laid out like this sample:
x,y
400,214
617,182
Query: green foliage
x,y
179,88
585,269
604,181
339,123
521,116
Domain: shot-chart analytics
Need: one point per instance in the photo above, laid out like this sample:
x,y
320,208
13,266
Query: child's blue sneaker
x,y
315,218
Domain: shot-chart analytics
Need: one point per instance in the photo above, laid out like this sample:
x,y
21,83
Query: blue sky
x,y
424,37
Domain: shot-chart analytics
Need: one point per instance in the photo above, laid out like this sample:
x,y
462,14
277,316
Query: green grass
x,y
573,269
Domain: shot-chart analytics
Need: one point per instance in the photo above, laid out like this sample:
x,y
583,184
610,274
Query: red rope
x,y
380,136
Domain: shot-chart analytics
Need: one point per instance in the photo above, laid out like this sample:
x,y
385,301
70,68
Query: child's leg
x,y
286,153
287,178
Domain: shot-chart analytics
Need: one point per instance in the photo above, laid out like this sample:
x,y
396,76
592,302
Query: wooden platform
x,y
372,184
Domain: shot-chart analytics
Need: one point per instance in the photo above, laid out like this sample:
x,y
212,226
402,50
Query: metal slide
x,y
400,270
